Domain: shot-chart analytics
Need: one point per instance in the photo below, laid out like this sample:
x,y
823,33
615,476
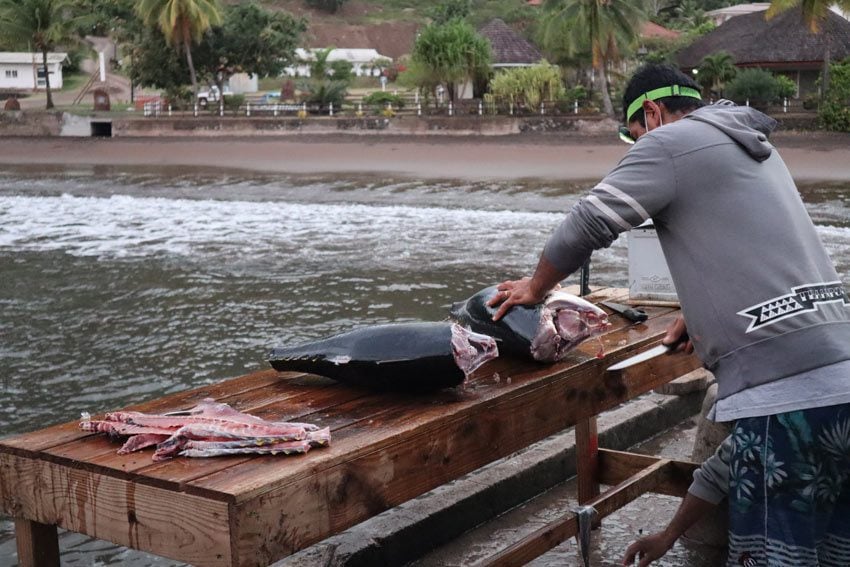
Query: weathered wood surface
x,y
386,449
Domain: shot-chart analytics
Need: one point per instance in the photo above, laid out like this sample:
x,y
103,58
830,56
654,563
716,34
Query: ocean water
x,y
122,285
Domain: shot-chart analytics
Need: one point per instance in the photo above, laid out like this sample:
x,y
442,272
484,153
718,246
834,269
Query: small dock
x,y
386,449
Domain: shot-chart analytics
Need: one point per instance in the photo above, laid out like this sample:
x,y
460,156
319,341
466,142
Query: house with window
x,y
363,61
26,72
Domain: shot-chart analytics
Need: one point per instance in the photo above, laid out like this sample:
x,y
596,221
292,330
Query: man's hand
x,y
648,549
674,335
515,292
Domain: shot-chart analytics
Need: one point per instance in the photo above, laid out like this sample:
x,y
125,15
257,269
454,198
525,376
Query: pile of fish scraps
x,y
209,429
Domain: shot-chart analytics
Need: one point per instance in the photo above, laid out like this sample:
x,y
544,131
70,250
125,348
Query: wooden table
x,y
385,449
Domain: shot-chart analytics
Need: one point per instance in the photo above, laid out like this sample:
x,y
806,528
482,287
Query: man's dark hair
x,y
653,76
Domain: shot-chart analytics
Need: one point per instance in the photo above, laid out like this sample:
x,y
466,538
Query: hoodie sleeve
x,y
711,479
641,185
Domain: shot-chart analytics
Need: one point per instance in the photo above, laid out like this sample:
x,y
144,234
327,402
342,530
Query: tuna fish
x,y
545,332
411,357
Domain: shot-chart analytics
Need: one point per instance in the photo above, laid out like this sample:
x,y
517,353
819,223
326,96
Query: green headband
x,y
662,92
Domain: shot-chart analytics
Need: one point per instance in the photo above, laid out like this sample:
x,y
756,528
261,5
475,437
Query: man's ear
x,y
650,107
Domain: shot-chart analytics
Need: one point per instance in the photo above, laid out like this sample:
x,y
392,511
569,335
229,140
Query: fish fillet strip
x,y
209,429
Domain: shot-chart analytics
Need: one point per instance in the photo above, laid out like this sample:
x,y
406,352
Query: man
x,y
765,311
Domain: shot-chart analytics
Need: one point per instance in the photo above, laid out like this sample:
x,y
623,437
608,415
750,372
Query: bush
x,y
179,97
787,86
380,100
233,102
757,86
578,92
326,5
528,86
834,111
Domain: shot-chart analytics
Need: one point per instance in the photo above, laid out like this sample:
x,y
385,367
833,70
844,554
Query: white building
x,y
362,61
24,71
243,83
723,14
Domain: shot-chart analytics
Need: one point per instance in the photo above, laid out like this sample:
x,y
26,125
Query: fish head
x,y
565,321
470,349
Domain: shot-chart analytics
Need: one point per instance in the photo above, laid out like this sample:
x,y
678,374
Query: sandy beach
x,y
811,157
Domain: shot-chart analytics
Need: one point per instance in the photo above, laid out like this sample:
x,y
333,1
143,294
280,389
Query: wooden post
x,y
587,460
38,544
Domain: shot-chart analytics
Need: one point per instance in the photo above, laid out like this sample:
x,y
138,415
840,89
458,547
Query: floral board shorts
x,y
789,489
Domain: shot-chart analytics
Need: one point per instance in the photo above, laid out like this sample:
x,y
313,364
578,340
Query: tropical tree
x,y
715,70
606,27
250,40
40,25
834,110
451,53
182,22
814,11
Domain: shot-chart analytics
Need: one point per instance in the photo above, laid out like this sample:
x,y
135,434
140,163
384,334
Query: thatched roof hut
x,y
509,48
782,44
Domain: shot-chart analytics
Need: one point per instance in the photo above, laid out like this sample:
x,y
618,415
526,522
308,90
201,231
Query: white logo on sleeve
x,y
802,299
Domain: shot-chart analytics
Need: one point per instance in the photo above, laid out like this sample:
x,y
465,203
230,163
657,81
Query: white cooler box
x,y
649,277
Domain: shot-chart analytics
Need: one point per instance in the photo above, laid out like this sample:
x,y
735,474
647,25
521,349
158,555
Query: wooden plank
x,y
330,500
168,523
38,544
66,432
557,531
616,466
282,401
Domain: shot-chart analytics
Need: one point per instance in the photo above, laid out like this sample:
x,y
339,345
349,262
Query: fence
x,y
414,107
353,108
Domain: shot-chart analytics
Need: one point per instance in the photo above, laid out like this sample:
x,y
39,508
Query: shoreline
x,y
810,156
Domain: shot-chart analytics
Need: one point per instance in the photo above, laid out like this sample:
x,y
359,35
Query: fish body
x,y
545,332
402,356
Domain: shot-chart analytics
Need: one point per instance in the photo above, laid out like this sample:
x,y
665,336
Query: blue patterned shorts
x,y
789,489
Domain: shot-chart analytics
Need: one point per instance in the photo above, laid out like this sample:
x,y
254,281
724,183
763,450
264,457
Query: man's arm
x,y
652,547
710,486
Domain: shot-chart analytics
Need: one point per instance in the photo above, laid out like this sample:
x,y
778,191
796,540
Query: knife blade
x,y
648,354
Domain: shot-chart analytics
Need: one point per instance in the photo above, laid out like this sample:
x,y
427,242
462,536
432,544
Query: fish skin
x,y
406,357
531,332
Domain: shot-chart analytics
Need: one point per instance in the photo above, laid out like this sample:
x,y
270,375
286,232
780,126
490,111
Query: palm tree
x,y
182,22
601,26
715,69
39,25
814,12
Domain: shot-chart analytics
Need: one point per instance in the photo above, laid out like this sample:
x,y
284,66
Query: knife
x,y
633,314
647,354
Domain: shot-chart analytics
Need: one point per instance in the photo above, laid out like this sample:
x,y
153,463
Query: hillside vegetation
x,y
389,26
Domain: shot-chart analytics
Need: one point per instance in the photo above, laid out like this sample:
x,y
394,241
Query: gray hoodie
x,y
759,293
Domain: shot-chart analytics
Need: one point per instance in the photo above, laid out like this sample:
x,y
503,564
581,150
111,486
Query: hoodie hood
x,y
747,126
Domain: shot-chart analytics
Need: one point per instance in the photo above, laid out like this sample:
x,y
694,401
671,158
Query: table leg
x,y
587,461
38,544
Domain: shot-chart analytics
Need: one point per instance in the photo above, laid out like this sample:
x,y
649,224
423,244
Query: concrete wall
x,y
406,125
